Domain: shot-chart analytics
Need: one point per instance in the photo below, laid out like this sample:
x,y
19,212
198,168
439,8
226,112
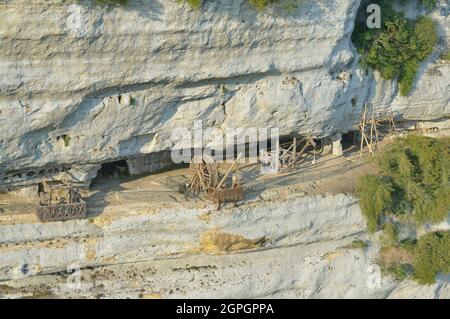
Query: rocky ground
x,y
298,246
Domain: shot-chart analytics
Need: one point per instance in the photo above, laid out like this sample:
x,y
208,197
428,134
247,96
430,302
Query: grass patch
x,y
396,261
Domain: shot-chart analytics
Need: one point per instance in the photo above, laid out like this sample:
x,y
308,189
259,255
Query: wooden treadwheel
x,y
205,173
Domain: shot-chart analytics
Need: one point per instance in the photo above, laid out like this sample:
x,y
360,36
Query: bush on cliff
x,y
431,257
418,168
423,258
398,47
375,199
413,186
414,183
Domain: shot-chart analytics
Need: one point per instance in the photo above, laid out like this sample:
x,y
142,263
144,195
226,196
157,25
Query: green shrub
x,y
418,168
406,80
400,272
414,182
432,256
408,244
287,5
196,4
446,56
66,139
428,3
415,170
261,4
375,198
357,244
396,49
390,233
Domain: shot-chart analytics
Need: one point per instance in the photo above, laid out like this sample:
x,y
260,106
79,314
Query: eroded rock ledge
x,y
298,248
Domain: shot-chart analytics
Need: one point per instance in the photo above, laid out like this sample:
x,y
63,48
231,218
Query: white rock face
x,y
83,84
200,253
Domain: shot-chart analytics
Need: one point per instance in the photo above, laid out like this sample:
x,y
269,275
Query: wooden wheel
x,y
205,173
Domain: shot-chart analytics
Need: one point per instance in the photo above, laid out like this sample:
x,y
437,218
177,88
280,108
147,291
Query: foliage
x,y
415,182
432,256
390,233
408,244
399,272
357,244
261,4
445,56
415,173
398,47
418,170
375,198
196,4
66,139
396,261
428,3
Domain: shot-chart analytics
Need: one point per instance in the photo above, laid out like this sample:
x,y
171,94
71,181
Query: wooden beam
x,y
229,170
362,125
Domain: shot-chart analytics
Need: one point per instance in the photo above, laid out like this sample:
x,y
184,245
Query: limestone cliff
x,y
82,84
299,247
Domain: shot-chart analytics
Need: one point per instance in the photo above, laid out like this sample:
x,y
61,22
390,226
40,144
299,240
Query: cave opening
x,y
114,170
349,140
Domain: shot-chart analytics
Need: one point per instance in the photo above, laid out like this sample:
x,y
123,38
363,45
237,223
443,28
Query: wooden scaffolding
x,y
373,127
291,156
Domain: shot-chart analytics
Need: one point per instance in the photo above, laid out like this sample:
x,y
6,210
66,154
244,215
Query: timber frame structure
x,y
205,173
373,126
59,202
291,156
205,178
